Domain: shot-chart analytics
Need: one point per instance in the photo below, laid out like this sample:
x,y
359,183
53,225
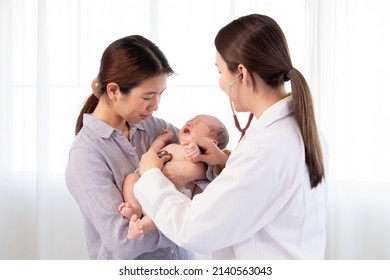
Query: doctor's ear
x,y
244,74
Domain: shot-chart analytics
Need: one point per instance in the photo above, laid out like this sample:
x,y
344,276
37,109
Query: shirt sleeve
x,y
92,184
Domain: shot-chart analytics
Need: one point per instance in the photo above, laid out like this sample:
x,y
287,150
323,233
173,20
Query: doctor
x,y
269,200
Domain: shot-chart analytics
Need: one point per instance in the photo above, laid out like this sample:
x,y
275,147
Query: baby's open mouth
x,y
186,131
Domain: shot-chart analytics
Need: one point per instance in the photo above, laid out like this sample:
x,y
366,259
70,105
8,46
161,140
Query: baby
x,y
200,126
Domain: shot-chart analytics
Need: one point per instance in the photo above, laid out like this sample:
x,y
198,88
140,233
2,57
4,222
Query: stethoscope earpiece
x,y
235,80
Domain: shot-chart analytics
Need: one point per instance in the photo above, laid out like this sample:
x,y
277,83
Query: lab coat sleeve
x,y
237,204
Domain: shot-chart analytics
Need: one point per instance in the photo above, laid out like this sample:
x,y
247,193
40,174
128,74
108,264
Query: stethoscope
x,y
236,122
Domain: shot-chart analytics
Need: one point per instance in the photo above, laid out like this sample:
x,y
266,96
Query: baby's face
x,y
200,126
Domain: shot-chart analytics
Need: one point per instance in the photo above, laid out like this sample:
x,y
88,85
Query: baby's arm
x,y
160,142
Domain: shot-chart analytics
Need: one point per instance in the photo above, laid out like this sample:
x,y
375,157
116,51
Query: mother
x,y
115,127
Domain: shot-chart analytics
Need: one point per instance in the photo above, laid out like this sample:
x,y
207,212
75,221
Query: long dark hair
x,y
127,61
257,42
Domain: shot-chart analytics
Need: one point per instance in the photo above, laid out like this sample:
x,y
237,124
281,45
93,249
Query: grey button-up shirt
x,y
99,160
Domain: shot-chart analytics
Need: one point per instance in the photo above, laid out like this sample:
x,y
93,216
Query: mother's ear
x,y
113,91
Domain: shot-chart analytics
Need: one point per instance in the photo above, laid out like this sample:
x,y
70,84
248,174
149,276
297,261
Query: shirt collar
x,y
103,129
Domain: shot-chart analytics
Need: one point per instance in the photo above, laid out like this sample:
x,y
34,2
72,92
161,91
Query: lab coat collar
x,y
277,111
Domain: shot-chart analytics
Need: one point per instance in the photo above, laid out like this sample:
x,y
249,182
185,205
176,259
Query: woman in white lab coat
x,y
269,200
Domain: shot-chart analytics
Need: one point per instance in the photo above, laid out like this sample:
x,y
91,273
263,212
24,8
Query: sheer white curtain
x,y
50,51
353,95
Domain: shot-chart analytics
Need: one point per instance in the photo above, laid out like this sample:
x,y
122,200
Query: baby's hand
x,y
192,151
162,140
166,135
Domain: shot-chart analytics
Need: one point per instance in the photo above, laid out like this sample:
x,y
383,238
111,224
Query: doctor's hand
x,y
212,154
151,159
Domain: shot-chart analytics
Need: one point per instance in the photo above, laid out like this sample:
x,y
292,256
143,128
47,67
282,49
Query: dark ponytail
x,y
305,116
88,108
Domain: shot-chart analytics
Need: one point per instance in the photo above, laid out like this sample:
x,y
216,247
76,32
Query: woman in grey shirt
x,y
114,129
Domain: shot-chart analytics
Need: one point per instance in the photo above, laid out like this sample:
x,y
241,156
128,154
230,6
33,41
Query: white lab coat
x,y
260,207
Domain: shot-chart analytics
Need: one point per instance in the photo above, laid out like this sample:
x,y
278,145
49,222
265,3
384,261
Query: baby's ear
x,y
215,142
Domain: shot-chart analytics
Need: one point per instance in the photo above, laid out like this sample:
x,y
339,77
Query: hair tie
x,y
94,86
286,75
